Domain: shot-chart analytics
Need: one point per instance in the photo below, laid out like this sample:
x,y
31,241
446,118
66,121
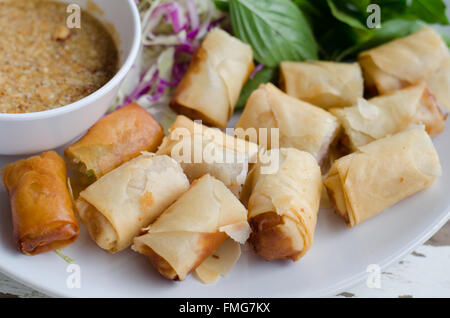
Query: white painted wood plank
x,y
11,288
424,273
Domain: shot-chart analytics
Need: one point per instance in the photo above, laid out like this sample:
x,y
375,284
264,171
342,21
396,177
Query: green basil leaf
x,y
318,15
265,75
430,11
399,5
222,5
345,16
315,9
389,31
358,7
391,9
276,29
337,38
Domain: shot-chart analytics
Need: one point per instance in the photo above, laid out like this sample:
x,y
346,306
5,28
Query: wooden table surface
x,y
423,273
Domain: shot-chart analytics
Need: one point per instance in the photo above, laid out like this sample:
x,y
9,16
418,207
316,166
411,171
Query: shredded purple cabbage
x,y
194,18
216,22
174,14
256,70
188,31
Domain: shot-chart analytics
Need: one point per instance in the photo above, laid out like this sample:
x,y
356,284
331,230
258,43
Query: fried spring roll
x,y
403,62
283,206
324,84
211,86
382,173
388,114
301,125
118,205
218,154
439,83
41,205
113,140
192,228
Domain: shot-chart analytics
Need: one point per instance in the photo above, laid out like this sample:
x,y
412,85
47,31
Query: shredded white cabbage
x,y
171,32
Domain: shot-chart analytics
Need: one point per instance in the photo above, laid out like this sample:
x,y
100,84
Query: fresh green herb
x,y
391,30
276,30
346,17
64,257
393,9
297,30
222,5
311,9
430,11
265,75
341,31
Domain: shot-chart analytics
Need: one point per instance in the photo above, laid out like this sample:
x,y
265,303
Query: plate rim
x,y
327,292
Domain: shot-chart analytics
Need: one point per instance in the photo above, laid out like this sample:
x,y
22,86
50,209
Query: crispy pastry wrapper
x,y
382,173
118,205
404,61
41,205
439,83
388,114
113,140
192,228
212,84
283,206
301,125
324,84
201,150
220,262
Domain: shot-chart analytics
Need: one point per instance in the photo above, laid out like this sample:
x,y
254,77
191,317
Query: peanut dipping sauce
x,y
43,63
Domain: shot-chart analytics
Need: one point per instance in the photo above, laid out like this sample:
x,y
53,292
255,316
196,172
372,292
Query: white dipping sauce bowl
x,y
35,132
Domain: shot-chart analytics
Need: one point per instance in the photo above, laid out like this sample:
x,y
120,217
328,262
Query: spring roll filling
x,y
100,229
275,236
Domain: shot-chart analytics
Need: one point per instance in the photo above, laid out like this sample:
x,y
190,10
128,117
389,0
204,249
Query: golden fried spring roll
x,y
113,140
301,125
118,205
41,205
222,156
192,228
324,84
283,206
439,83
388,114
382,173
403,62
211,86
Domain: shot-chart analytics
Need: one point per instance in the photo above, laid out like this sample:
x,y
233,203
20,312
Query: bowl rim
x,y
115,80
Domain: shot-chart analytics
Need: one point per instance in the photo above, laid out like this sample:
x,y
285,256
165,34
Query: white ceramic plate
x,y
338,259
